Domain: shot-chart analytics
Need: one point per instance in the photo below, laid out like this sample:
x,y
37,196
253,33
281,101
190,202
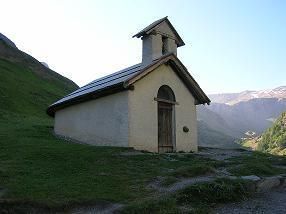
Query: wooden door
x,y
165,127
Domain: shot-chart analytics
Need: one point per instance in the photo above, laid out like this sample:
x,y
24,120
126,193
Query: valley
x,y
249,111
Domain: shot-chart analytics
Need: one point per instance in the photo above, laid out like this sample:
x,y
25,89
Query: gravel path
x,y
273,202
180,185
222,154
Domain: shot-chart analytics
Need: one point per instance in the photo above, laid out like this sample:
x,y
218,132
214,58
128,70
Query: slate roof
x,y
147,30
102,83
123,80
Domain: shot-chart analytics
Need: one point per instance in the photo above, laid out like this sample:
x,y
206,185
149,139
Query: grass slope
x,y
273,140
36,167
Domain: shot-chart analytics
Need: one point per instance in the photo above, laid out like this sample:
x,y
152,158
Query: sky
x,y
231,45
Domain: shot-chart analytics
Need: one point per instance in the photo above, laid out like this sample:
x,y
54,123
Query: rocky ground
x,y
270,202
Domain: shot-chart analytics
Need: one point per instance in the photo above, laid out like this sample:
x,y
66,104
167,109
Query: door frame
x,y
173,122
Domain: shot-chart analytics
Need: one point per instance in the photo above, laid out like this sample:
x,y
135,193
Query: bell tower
x,y
158,39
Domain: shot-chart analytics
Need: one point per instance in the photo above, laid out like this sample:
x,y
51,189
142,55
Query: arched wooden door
x,y
166,119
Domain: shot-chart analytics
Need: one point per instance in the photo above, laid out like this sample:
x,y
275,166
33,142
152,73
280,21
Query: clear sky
x,y
231,45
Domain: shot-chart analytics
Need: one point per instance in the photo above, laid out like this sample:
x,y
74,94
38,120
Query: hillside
x,y
208,137
26,86
7,41
273,140
214,120
215,132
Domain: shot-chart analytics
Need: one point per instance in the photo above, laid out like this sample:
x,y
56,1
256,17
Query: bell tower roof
x,y
163,27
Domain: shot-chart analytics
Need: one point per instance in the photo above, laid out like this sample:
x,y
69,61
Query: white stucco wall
x,y
102,121
143,119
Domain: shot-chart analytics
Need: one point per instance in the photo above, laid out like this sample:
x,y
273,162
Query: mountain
x,y
252,115
273,140
213,130
215,121
234,98
238,114
26,86
208,137
3,38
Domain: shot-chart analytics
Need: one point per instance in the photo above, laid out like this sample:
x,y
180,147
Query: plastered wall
x,y
143,119
102,122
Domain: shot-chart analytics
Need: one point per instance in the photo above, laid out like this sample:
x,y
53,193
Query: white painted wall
x,y
102,122
143,118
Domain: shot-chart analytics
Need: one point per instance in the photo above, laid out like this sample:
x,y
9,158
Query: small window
x,y
164,45
166,93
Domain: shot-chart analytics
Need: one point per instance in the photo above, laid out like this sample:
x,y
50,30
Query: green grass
x,y
198,167
193,170
273,140
257,163
24,92
219,191
35,166
198,198
165,205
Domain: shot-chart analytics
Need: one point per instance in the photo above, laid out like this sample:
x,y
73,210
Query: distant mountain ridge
x,y
252,115
234,98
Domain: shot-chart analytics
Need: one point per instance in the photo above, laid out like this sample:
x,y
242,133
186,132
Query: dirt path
x,y
183,183
222,154
267,203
